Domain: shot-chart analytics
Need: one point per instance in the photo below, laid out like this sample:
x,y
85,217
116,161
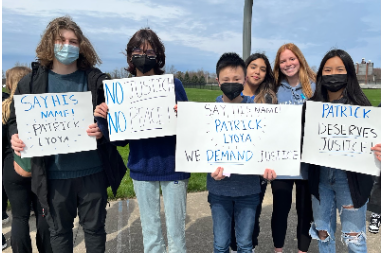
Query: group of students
x,y
60,186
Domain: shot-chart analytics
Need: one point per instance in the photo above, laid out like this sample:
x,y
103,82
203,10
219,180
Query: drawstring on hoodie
x,y
296,95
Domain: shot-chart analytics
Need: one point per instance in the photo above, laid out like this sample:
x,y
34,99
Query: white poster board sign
x,y
54,123
140,107
341,136
241,138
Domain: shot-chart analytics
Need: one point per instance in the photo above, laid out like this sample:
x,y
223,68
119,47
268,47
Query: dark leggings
x,y
282,199
19,192
233,242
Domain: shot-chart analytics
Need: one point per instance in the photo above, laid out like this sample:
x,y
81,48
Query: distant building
x,y
366,73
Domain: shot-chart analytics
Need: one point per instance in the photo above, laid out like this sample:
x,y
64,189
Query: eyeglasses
x,y
150,53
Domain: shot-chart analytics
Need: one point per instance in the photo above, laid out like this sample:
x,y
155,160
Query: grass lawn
x,y
197,181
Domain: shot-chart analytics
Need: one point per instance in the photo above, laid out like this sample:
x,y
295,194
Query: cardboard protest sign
x,y
54,123
140,107
241,138
341,136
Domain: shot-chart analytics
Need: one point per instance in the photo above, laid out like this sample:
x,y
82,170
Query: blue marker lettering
x,y
324,109
45,100
25,103
365,113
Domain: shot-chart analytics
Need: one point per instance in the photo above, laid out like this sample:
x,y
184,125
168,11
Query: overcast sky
x,y
196,33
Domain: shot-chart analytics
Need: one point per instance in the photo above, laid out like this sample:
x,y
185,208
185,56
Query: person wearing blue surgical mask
x,y
73,183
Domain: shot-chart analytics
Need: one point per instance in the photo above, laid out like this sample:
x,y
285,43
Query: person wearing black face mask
x,y
334,83
337,83
152,161
234,196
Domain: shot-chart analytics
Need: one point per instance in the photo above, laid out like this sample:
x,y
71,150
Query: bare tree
x,y
18,64
170,70
118,73
314,68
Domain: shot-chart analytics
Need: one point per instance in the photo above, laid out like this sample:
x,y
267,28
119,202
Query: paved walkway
x,y
124,229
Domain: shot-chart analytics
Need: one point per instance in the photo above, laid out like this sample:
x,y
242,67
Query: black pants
x,y
233,242
5,199
20,196
374,203
87,195
282,199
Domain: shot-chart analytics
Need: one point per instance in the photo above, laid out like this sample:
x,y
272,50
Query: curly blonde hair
x,y
13,76
306,74
45,50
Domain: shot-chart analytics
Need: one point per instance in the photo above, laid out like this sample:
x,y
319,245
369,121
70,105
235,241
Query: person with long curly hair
x,y
295,84
73,183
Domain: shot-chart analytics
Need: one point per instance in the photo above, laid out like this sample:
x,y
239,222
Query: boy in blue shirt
x,y
235,194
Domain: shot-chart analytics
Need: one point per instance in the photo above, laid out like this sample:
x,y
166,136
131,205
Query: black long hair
x,y
268,86
352,93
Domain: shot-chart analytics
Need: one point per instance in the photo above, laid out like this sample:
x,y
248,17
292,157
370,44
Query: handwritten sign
x,y
341,136
241,138
54,123
140,107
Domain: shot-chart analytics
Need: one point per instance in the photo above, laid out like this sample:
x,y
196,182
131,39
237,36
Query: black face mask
x,y
232,90
334,83
143,63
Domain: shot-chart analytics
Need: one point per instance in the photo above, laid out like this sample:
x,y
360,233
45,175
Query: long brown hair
x,y
45,50
305,72
267,87
13,76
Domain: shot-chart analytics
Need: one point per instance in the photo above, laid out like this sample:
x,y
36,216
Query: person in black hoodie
x,y
67,184
332,188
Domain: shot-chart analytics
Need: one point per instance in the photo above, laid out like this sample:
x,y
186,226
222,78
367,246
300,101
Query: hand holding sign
x,y
377,149
17,144
101,110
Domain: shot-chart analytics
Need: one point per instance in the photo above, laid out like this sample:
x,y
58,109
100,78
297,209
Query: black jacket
x,y
360,184
37,83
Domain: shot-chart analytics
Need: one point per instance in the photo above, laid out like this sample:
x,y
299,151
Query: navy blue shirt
x,y
72,165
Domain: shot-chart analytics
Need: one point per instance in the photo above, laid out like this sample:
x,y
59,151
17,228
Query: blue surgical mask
x,y
66,54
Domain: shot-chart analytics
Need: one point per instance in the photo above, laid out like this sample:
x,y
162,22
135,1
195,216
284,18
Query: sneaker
x,y
5,217
234,251
374,223
4,242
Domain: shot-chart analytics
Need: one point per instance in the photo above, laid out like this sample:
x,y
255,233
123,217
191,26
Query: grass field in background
x,y
197,181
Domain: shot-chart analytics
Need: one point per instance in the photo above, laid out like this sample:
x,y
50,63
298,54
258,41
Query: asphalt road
x,y
124,229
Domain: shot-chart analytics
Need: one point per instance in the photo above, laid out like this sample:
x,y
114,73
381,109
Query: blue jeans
x,y
334,193
244,209
174,195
